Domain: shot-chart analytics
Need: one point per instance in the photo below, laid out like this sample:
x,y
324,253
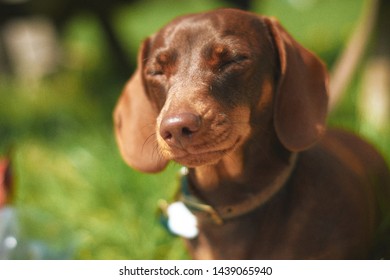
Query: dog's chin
x,y
195,159
200,159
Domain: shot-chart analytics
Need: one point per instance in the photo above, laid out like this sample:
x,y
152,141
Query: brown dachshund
x,y
233,97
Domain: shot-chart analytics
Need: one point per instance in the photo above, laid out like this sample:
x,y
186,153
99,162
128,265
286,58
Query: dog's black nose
x,y
180,127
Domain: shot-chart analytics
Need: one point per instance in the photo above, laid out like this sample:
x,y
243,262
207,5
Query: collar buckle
x,y
194,203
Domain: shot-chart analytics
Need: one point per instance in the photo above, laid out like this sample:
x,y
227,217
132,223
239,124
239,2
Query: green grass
x,y
73,190
75,197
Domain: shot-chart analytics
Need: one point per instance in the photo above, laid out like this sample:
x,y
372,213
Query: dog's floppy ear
x,y
302,98
135,122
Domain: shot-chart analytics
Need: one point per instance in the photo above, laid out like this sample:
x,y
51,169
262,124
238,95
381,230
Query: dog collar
x,y
194,203
180,217
219,214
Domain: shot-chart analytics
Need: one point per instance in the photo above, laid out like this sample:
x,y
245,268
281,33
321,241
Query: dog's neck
x,y
240,174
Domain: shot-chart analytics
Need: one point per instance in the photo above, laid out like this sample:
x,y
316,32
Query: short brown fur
x,y
235,98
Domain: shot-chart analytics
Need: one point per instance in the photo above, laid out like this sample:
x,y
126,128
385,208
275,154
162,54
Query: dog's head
x,y
206,80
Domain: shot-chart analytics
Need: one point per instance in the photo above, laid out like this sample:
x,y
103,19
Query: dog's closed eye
x,y
222,57
155,72
162,64
236,60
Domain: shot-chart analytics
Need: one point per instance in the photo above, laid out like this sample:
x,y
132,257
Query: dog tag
x,y
181,221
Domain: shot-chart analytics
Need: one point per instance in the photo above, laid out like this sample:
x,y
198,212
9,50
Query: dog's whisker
x,y
156,152
149,138
228,155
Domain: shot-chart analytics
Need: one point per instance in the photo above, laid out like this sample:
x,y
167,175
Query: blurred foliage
x,y
74,193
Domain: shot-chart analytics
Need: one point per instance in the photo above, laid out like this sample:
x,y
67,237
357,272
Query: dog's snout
x,y
179,127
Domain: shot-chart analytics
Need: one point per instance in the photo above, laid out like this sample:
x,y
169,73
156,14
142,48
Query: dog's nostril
x,y
167,135
186,131
180,126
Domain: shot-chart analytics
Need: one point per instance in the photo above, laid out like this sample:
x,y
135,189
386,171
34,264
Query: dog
x,y
233,97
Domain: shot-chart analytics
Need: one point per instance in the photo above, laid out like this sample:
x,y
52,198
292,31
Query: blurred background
x,y
65,193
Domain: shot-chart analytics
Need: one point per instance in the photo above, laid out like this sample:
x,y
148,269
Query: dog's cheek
x,y
235,88
226,91
265,98
241,124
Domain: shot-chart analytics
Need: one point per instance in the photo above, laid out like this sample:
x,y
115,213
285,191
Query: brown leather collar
x,y
220,214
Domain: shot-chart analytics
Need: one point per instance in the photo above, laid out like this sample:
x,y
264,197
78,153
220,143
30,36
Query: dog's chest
x,y
222,242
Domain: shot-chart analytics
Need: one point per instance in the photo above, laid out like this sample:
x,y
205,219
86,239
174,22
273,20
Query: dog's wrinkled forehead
x,y
227,27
